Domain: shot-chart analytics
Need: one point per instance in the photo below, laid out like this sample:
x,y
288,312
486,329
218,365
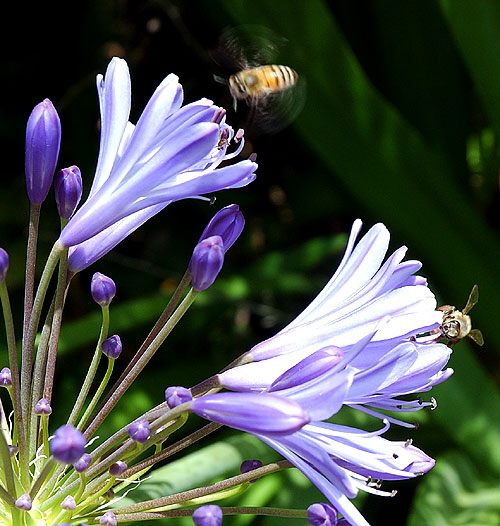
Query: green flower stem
x,y
29,341
190,495
56,325
271,512
45,435
89,378
38,376
149,352
6,463
98,394
44,474
15,393
31,250
162,320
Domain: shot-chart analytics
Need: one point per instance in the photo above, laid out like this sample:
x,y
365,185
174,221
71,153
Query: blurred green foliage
x,y
401,125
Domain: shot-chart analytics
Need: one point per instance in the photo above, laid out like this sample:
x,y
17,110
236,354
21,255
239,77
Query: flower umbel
x,y
368,342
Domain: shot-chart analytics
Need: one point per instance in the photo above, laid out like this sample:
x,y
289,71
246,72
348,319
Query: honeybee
x,y
457,324
274,93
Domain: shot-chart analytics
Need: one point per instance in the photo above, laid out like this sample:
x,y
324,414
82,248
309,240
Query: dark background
x,y
400,125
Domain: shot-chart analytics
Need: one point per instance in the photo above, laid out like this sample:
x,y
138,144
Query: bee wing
x,y
473,299
272,113
477,336
247,46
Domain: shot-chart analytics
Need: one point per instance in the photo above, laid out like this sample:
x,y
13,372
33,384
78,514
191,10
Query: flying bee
x,y
273,93
457,324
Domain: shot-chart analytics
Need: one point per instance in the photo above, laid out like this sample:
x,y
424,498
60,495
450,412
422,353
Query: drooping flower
x,y
361,294
172,153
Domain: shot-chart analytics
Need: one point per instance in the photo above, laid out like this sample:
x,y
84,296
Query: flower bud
x,y
42,407
112,347
67,445
24,502
68,503
108,519
4,264
206,262
258,413
177,395
250,465
82,463
227,223
139,431
5,377
68,189
208,515
43,139
321,514
103,289
117,468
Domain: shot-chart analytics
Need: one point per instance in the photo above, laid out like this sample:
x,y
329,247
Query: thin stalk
x,y
29,341
31,250
56,325
19,430
149,352
89,377
162,320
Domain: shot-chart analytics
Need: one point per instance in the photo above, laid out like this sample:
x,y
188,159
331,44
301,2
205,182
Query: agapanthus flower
x,y
172,153
361,293
206,262
364,342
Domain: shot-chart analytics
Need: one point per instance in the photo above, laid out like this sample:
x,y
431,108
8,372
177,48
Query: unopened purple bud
x,y
321,514
112,347
4,264
250,465
206,262
24,502
68,503
227,223
117,468
42,407
265,414
139,431
108,519
177,395
82,463
68,189
68,444
103,289
13,451
5,377
43,139
209,515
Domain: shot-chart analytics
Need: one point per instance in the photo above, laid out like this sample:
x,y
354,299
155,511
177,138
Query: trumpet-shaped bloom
x,y
172,153
363,293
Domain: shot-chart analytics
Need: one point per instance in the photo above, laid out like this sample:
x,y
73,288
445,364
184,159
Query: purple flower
x,y
177,395
82,463
42,407
252,412
103,289
24,502
227,223
68,188
4,264
206,262
208,515
139,431
117,468
43,139
320,514
108,519
67,444
112,347
172,153
363,297
5,377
